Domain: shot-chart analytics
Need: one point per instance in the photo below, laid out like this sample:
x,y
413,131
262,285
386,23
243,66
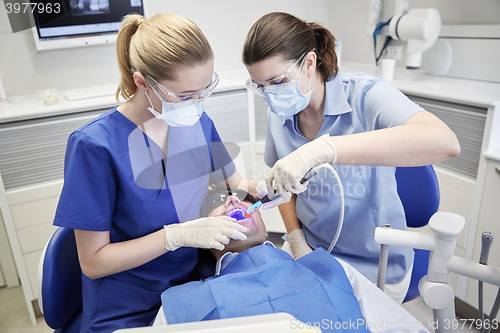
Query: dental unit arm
x,y
420,27
434,288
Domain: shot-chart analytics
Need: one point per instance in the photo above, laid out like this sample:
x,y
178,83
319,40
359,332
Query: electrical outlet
x,y
393,52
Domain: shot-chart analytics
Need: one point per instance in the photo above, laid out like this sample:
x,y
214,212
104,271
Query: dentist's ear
x,y
310,64
140,81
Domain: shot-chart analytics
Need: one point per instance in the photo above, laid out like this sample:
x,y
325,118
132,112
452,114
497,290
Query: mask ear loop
x,y
152,108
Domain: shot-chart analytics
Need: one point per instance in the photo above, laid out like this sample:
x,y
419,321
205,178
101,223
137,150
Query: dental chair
x,y
60,283
419,192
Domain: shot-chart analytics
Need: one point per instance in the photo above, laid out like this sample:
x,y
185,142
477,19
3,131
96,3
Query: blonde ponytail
x,y
157,47
130,24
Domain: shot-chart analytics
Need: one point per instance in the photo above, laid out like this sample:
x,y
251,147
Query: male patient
x,y
253,277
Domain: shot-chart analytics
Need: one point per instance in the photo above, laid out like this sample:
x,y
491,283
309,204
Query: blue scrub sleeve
x,y
385,106
89,192
270,154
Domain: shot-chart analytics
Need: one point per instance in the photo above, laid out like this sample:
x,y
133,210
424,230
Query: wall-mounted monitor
x,y
84,23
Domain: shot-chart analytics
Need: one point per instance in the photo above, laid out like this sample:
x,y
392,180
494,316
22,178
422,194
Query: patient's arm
x,y
384,314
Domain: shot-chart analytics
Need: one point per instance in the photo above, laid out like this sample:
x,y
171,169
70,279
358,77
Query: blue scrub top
x,y
114,180
354,103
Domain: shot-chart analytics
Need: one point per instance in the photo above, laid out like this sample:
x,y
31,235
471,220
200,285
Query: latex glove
x,y
289,171
298,243
207,233
261,189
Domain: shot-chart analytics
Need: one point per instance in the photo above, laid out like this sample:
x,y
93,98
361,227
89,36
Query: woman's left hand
x,y
289,171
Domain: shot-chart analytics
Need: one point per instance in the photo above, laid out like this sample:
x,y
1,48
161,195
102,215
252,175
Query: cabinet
x,y
31,170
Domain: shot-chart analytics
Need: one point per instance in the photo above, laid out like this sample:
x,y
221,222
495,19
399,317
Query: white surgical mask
x,y
286,99
178,114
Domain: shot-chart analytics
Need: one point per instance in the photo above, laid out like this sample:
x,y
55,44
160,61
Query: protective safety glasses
x,y
259,87
168,96
219,198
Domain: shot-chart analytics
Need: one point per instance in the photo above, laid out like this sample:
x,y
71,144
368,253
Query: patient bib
x,y
314,289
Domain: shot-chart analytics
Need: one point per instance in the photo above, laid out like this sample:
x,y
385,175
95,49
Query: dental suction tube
x,y
313,172
342,208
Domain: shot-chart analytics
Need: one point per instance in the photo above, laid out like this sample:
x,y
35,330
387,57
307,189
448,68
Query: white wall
x,y
348,21
26,71
225,23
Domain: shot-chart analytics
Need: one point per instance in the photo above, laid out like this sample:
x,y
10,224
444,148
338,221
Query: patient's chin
x,y
240,246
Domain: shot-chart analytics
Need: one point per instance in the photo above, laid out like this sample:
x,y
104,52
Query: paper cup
x,y
388,66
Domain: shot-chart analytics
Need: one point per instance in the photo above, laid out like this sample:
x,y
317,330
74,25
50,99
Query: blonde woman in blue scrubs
x,y
360,123
135,177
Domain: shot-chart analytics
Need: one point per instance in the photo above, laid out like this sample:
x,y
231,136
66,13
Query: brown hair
x,y
288,36
157,47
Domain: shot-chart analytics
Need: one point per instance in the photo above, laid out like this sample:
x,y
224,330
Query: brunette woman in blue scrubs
x,y
361,123
132,174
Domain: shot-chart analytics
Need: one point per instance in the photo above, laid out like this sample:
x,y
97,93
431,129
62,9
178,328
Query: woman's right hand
x,y
287,173
207,233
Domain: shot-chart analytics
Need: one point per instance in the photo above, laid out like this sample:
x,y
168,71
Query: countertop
x,y
32,106
472,92
494,155
478,93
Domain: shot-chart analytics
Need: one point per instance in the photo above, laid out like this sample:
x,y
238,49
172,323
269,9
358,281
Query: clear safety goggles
x,y
168,96
259,87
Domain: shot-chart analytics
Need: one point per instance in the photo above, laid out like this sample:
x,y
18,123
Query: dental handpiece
x,y
267,198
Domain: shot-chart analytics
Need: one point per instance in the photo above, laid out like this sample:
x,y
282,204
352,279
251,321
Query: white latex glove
x,y
206,233
298,243
261,189
289,171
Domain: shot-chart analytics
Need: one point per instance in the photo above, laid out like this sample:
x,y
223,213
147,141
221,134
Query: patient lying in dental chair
x,y
253,277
